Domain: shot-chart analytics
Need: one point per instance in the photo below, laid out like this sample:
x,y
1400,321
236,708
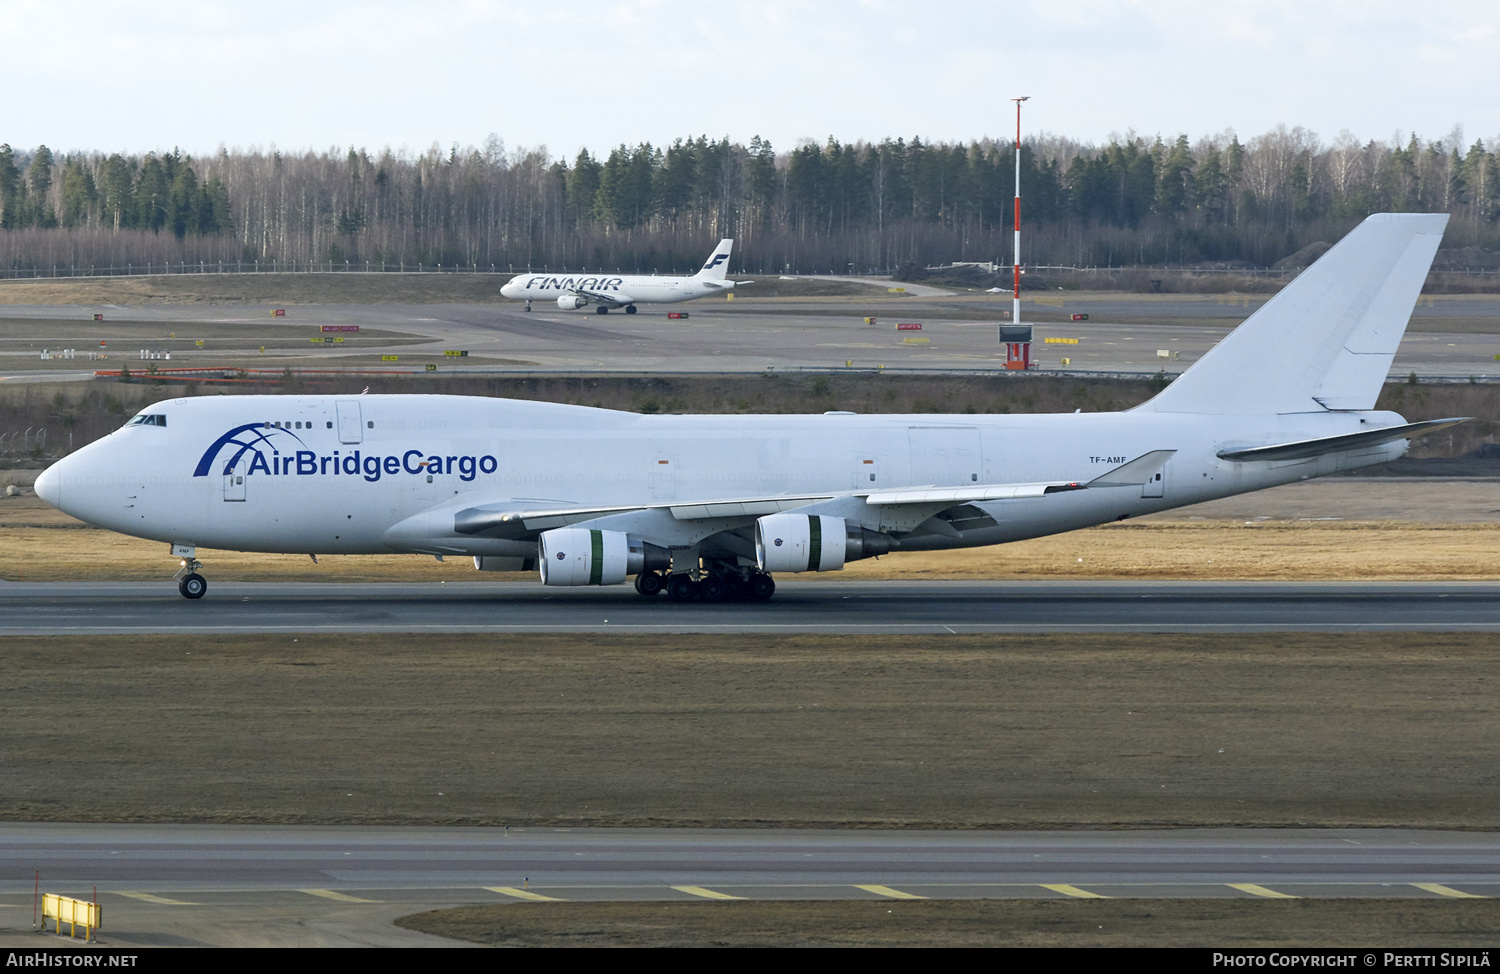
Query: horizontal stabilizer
x,y
1305,449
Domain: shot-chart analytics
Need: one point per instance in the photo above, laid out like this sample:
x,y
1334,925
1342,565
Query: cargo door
x,y
945,456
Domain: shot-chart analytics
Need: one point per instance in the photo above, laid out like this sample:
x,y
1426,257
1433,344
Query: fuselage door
x,y
234,481
946,456
351,423
661,479
1156,486
866,473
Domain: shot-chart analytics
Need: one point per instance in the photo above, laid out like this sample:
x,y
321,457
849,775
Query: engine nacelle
x,y
588,556
800,543
583,556
571,302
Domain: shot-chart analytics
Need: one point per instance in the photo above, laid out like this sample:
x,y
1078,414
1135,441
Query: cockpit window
x,y
147,419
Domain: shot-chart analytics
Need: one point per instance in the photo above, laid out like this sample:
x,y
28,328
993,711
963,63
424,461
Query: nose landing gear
x,y
189,582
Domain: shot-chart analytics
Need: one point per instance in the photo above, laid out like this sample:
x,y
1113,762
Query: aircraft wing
x,y
499,521
607,298
510,523
1136,473
1306,449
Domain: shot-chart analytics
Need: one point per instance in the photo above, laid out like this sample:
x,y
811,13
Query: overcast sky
x,y
137,75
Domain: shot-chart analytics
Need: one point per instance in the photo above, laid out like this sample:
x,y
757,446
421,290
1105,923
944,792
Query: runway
x,y
215,884
799,607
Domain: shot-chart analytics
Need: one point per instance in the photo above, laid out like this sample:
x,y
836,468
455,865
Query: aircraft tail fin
x,y
1326,340
717,265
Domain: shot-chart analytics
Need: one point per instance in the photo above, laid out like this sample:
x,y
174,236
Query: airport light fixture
x,y
1015,315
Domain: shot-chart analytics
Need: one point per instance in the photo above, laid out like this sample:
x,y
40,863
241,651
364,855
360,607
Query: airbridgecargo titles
x,y
572,292
710,507
256,440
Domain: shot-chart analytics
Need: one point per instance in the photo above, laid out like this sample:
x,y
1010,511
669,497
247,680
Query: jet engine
x,y
813,543
588,556
571,302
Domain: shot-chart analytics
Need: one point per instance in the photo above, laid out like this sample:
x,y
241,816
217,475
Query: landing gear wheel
x,y
762,586
630,309
649,584
601,310
528,305
712,589
682,588
192,586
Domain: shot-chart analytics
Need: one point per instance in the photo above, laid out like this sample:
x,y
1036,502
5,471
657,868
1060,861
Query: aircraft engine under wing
x,y
1305,449
610,299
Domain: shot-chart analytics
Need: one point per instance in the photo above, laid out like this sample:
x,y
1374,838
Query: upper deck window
x,y
147,419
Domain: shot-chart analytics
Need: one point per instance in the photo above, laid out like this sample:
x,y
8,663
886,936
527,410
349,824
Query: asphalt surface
x,y
798,607
231,885
1123,335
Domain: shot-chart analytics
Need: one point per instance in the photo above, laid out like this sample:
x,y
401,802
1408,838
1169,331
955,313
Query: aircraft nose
x,y
49,486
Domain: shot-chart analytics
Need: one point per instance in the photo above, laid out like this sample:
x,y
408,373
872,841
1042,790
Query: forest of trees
x,y
836,207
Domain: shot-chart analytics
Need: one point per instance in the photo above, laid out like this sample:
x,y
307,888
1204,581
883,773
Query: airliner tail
x,y
718,262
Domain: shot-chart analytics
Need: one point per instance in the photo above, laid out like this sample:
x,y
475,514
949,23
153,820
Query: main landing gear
x,y
630,309
728,585
601,310
189,582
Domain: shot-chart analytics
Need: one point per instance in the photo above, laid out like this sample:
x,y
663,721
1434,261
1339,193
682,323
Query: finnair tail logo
x,y
249,438
718,259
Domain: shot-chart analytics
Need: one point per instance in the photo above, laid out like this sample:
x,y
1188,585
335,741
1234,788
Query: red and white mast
x,y
1015,315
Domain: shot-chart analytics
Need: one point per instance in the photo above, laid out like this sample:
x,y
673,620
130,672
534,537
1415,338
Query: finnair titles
x,y
710,507
573,291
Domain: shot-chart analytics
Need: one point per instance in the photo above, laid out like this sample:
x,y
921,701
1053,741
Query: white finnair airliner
x,y
573,291
709,506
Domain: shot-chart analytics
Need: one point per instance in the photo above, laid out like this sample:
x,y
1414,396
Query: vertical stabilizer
x,y
717,264
1326,340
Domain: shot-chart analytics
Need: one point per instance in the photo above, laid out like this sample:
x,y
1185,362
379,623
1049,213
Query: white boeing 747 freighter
x,y
708,507
605,291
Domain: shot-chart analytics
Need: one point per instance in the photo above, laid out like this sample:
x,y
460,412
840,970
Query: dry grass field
x,y
1393,538
1044,731
975,923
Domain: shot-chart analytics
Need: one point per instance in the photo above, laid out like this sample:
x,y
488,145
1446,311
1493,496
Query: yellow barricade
x,y
75,913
